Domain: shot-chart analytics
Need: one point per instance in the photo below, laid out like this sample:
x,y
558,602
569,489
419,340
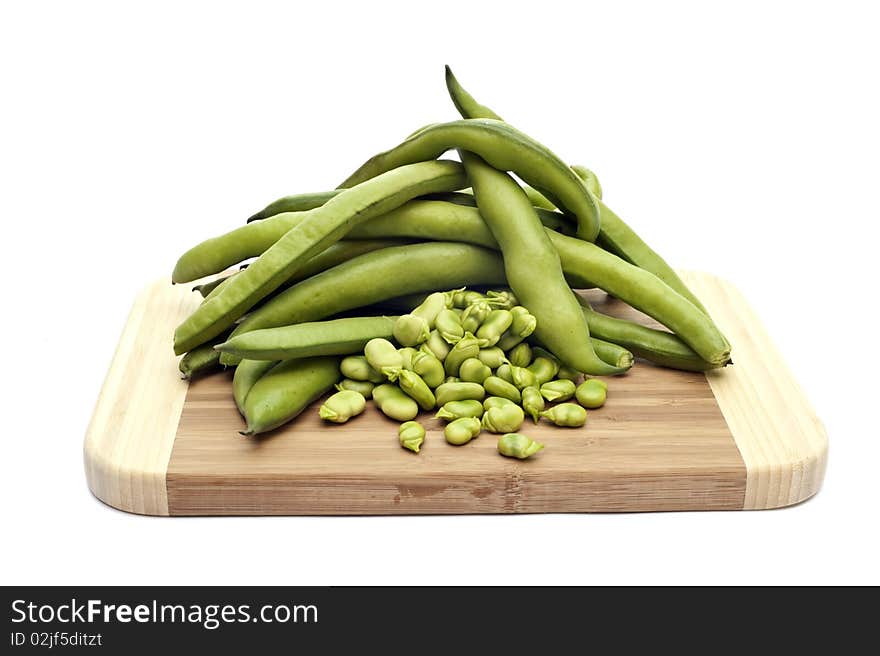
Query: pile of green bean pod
x,y
429,285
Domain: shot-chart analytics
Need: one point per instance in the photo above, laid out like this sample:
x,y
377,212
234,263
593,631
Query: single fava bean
x,y
407,352
342,406
493,357
569,415
496,386
522,377
356,367
505,419
520,355
504,372
458,392
592,393
544,369
457,409
496,402
474,315
411,435
449,326
467,347
412,329
429,368
474,371
461,431
413,386
362,387
436,345
522,325
383,356
504,299
394,402
533,402
558,390
517,445
493,327
463,298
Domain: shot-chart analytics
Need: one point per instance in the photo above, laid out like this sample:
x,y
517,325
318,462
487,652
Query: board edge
x,y
126,461
785,456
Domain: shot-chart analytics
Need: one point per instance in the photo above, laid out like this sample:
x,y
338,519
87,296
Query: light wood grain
x,y
129,439
744,438
660,443
782,442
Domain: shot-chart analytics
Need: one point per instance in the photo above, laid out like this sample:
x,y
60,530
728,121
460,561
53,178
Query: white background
x,y
743,141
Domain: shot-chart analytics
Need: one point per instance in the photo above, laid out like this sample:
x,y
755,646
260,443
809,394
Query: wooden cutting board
x,y
740,438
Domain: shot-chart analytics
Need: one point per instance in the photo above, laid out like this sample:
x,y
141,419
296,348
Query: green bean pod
x,y
200,360
287,389
302,340
590,180
657,346
504,148
390,272
296,203
614,234
613,354
533,268
322,227
246,374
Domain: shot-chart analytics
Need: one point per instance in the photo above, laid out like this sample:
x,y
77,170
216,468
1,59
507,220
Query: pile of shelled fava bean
x,y
479,271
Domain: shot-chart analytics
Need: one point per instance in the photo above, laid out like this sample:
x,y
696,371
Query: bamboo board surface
x,y
740,438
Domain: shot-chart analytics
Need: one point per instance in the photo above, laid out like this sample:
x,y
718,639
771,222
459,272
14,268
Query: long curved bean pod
x,y
589,266
614,234
304,340
504,148
247,373
296,203
200,360
324,226
375,277
657,346
287,389
533,268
